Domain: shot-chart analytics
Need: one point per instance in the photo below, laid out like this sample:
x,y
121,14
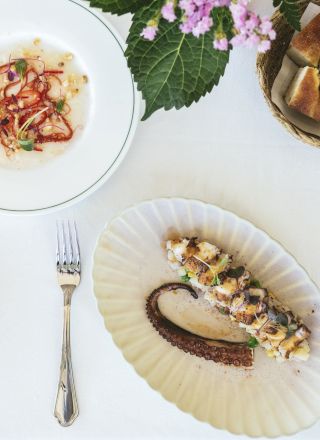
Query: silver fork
x,y
68,271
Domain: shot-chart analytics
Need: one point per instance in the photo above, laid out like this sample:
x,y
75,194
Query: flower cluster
x,y
251,30
196,18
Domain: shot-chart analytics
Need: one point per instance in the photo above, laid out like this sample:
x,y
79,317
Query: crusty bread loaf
x,y
303,93
304,49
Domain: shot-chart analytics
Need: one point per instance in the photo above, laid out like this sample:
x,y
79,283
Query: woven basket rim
x,y
262,65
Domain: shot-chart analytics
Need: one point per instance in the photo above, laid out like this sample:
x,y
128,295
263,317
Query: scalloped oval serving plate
x,y
130,261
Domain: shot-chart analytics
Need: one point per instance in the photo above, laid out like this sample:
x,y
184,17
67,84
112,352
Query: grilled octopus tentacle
x,y
228,353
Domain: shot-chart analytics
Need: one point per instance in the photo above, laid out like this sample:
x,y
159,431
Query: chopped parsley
x,y
236,272
216,281
224,261
255,283
282,319
252,342
291,330
185,278
279,317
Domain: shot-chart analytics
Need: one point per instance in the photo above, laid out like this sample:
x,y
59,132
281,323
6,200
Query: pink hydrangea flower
x,y
221,3
221,44
264,46
187,6
251,30
252,40
252,22
248,28
196,16
168,12
202,26
149,32
239,12
238,40
265,26
272,35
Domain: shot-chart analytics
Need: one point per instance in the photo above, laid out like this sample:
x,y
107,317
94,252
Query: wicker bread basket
x,y
268,66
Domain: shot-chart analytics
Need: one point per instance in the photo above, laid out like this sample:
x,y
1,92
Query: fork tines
x,y
68,252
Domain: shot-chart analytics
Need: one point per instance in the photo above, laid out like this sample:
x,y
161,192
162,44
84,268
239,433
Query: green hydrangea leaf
x,y
222,20
119,7
175,69
291,12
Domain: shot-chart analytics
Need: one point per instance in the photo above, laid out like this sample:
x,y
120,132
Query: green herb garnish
x,y
292,327
236,272
255,283
223,310
282,319
224,261
216,281
185,278
279,317
21,67
26,144
252,342
291,330
60,105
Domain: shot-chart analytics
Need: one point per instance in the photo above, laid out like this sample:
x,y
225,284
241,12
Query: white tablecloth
x,y
227,150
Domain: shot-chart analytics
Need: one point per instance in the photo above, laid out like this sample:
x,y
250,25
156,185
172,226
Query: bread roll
x,y
303,93
304,49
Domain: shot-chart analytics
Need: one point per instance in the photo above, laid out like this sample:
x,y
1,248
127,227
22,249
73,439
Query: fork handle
x,y
66,408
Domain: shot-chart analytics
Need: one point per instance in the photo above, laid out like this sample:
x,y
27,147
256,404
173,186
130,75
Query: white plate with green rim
x,y
272,399
111,106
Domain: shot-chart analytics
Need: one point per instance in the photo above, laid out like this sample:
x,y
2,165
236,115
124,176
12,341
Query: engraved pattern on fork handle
x,y
66,408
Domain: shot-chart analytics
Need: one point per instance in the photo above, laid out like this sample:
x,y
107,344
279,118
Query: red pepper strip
x,y
53,72
57,137
9,86
5,68
30,82
66,109
40,119
29,97
53,77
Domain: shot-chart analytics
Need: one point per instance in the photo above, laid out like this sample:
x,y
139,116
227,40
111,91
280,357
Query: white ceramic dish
x,y
70,26
272,399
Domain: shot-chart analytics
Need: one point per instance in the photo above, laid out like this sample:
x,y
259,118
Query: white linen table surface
x,y
227,150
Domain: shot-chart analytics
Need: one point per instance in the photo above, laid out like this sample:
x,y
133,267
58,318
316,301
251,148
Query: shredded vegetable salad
x,y
34,103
